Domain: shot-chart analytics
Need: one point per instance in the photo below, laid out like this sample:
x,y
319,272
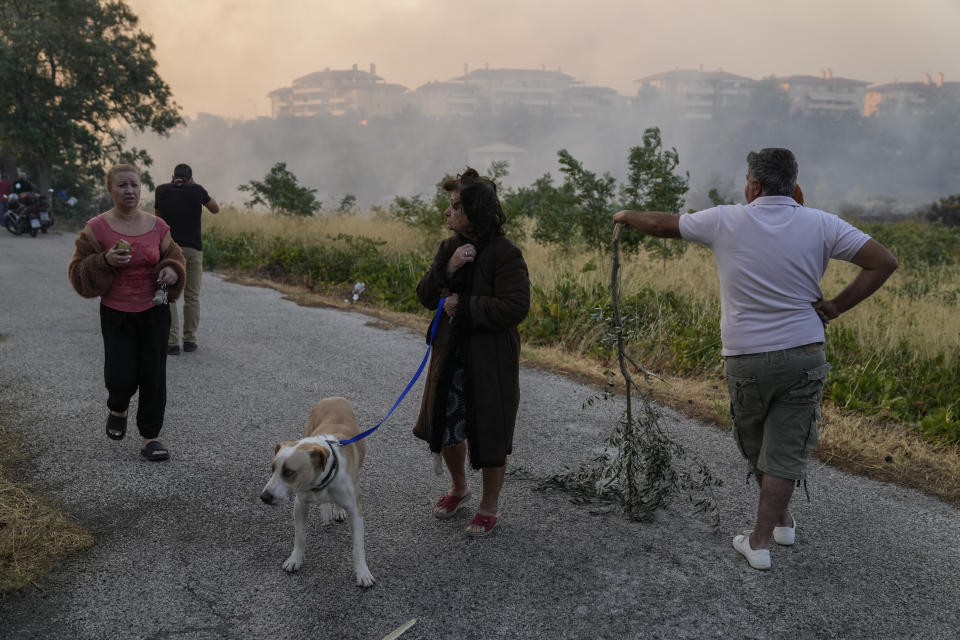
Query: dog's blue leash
x,y
433,333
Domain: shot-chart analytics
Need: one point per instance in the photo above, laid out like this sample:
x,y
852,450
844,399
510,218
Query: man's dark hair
x,y
183,171
478,197
775,169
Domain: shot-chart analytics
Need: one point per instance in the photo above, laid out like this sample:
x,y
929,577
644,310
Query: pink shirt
x,y
136,283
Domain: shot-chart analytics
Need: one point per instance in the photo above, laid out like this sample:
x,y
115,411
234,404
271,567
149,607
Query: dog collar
x,y
331,473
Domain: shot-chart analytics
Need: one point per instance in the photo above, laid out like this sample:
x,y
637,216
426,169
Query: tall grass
x,y
898,352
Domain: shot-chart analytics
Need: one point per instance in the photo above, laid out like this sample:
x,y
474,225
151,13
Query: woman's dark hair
x,y
478,197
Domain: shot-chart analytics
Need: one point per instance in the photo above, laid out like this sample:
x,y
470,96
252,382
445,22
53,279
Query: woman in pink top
x,y
122,256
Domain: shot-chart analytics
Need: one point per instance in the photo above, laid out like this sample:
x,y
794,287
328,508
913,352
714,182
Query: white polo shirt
x,y
771,255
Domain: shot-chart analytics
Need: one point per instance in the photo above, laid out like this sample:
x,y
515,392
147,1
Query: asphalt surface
x,y
185,549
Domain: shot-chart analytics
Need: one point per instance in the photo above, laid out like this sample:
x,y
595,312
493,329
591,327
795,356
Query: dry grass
x,y
399,237
34,533
926,324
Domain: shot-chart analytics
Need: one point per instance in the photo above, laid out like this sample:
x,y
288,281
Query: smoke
x,y
850,159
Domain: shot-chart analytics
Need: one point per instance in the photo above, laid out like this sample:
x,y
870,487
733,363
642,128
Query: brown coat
x,y
92,277
494,295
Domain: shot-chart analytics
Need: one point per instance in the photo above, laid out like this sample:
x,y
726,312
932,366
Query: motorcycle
x,y
28,212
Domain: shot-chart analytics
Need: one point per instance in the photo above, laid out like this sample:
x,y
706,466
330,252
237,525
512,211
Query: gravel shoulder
x,y
185,549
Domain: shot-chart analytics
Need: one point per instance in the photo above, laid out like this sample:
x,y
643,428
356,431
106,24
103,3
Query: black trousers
x,y
135,359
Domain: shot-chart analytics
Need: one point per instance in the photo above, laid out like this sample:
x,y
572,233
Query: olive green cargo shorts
x,y
775,405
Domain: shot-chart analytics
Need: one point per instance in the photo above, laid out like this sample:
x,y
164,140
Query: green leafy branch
x,y
640,468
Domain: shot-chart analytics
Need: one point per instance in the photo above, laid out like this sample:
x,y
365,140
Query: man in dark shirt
x,y
180,203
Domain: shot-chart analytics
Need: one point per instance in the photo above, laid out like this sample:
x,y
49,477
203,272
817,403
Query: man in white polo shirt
x,y
771,254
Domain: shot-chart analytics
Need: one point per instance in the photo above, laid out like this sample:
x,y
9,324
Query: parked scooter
x,y
28,212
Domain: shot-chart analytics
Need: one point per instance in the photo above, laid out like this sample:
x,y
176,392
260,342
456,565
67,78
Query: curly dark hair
x,y
478,197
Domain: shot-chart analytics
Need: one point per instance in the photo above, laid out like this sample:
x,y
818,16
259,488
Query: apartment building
x,y
696,94
339,92
447,99
908,98
495,91
824,94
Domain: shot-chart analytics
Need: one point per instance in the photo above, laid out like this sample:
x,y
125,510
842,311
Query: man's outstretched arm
x,y
652,223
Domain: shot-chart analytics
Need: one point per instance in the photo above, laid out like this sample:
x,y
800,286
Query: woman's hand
x,y
450,304
167,276
464,254
117,257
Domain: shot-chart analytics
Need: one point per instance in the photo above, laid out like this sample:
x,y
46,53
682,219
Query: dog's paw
x,y
292,563
365,578
339,514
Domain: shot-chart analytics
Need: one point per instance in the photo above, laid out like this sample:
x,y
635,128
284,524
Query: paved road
x,y
185,549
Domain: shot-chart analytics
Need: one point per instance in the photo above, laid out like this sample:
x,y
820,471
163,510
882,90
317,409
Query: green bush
x,y
391,280
918,245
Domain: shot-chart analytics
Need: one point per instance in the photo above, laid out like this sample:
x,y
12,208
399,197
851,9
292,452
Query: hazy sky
x,y
224,56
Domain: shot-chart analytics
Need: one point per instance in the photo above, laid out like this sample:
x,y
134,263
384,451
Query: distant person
x,y
121,256
180,203
6,188
472,389
771,254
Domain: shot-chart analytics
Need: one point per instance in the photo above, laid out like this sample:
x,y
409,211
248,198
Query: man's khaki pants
x,y
191,301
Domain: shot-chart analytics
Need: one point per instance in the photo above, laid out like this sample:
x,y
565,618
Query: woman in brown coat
x,y
472,389
122,256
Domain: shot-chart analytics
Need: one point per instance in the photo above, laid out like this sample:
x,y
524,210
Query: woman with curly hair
x,y
472,389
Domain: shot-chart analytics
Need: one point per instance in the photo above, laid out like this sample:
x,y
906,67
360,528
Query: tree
x,y
74,74
594,196
652,185
281,193
347,204
945,211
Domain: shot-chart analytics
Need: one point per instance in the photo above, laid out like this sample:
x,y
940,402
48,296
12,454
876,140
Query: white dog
x,y
317,469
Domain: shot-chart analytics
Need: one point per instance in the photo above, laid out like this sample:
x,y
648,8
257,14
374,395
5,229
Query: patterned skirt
x,y
455,417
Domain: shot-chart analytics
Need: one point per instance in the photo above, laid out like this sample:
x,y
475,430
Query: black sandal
x,y
155,451
116,426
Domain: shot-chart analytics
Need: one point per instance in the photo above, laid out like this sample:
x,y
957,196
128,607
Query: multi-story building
x,y
494,91
446,99
908,98
696,94
824,93
338,92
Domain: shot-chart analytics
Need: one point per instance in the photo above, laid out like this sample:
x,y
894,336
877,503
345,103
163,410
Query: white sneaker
x,y
758,558
785,535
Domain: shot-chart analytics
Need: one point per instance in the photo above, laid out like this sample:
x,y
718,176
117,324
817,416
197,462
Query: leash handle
x,y
433,334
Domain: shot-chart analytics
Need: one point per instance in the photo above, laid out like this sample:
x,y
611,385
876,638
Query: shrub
x,y
281,192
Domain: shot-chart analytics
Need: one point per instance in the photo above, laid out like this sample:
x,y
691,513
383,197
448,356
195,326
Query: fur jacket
x,y
494,293
91,276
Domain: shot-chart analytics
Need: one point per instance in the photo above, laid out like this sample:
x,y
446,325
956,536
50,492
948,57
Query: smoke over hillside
x,y
849,160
